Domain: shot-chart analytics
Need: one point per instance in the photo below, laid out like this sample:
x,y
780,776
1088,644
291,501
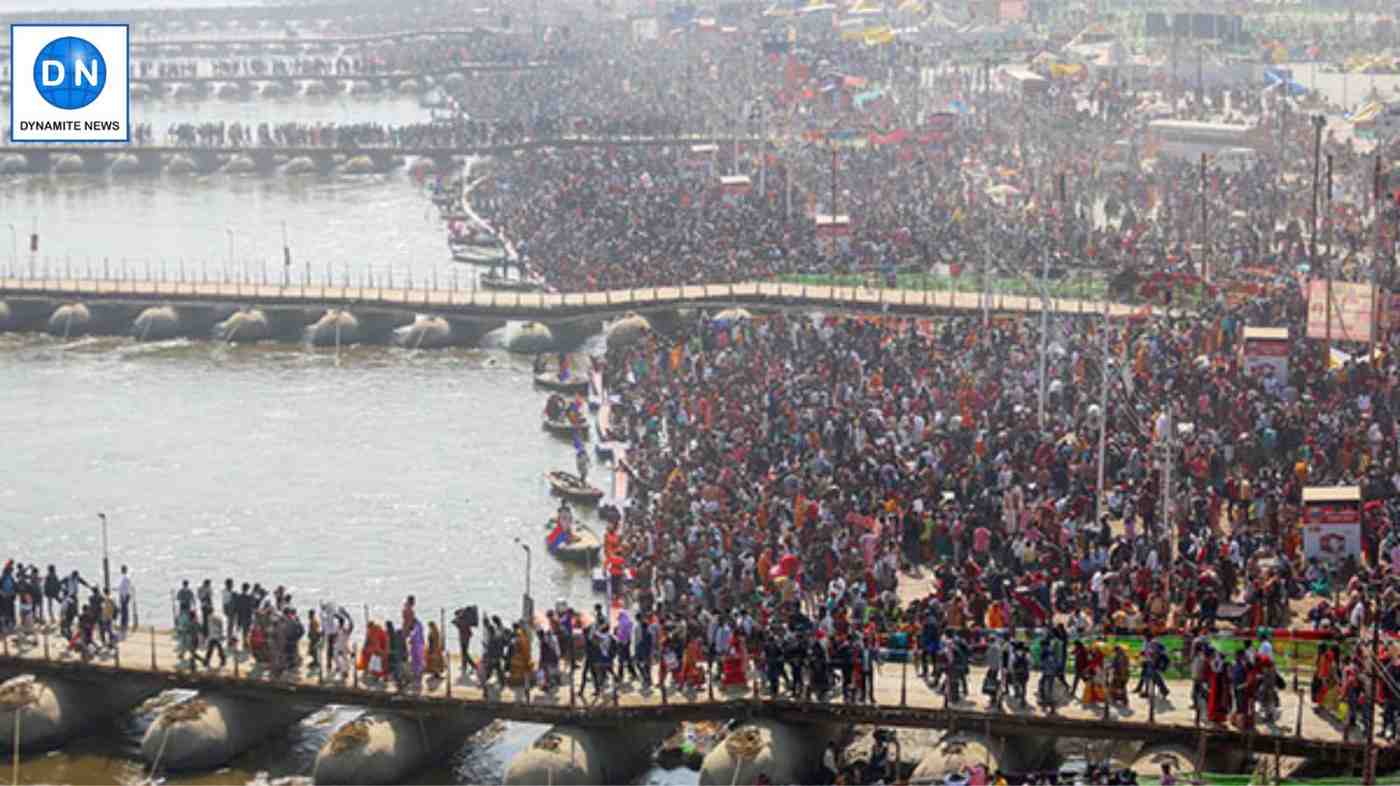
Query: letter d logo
x,y
69,73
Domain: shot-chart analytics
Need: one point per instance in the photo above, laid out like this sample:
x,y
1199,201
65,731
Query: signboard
x,y
1331,541
1350,317
833,232
1265,351
1331,522
734,187
1390,310
1270,355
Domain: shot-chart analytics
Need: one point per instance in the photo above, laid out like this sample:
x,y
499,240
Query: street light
x,y
229,232
1103,417
106,568
527,605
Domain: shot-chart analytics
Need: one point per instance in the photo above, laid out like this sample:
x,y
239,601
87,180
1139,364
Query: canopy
x,y
1281,80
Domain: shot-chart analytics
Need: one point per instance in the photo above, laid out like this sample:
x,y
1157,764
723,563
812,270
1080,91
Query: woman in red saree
x,y
1217,673
1094,682
735,672
690,664
1324,670
374,658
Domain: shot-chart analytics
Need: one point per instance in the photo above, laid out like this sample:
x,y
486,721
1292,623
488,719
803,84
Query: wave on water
x,y
152,347
80,343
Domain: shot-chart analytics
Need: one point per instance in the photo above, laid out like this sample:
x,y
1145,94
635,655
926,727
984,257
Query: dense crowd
x,y
814,496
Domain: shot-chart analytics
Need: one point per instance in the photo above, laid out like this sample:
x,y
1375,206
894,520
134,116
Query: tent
x,y
1282,80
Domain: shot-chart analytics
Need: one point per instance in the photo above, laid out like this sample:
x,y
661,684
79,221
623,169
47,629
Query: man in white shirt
x,y
124,590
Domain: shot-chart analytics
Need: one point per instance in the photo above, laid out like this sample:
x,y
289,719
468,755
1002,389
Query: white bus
x,y
1187,139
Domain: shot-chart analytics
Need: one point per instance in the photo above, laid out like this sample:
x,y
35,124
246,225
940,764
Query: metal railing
x,y
453,288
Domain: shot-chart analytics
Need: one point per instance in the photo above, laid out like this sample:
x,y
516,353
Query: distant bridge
x,y
41,158
268,44
244,85
900,699
543,307
247,84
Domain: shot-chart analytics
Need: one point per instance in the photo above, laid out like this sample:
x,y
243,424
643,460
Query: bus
x,y
1188,140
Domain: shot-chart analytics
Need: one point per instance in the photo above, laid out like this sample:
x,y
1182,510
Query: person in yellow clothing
x,y
996,616
521,665
1096,676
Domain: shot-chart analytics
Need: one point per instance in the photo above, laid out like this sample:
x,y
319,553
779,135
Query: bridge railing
x,y
405,148
886,693
453,286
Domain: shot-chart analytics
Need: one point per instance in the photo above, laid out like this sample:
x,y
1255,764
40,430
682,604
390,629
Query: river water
x,y
388,473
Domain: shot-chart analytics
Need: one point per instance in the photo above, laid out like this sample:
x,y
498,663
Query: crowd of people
x,y
794,474
32,603
814,496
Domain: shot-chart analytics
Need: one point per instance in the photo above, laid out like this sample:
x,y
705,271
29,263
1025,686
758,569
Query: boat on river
x,y
583,547
552,381
573,488
563,427
477,251
501,283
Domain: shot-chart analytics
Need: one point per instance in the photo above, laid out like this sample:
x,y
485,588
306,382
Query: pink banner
x,y
1349,317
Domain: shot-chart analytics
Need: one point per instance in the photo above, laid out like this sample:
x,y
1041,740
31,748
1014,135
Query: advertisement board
x,y
1351,311
1331,522
1264,351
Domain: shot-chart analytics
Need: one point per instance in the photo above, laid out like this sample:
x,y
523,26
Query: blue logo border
x,y
126,125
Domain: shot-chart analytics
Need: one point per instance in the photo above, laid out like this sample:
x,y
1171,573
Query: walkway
x,y
386,76
552,307
283,42
901,699
359,150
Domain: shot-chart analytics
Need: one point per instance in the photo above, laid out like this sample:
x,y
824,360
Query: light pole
x,y
1044,333
1319,122
1368,771
14,250
1103,415
106,567
527,606
229,231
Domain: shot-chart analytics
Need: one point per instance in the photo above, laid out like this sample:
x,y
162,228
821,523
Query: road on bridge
x,y
454,301
901,698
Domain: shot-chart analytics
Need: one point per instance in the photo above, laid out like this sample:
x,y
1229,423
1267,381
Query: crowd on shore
x,y
812,497
1033,178
815,496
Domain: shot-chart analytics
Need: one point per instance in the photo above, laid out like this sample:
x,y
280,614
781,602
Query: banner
x,y
1261,354
1350,317
1330,542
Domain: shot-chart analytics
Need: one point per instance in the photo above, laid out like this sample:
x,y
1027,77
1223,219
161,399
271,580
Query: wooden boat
x,y
565,428
551,381
504,284
572,488
584,548
476,253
